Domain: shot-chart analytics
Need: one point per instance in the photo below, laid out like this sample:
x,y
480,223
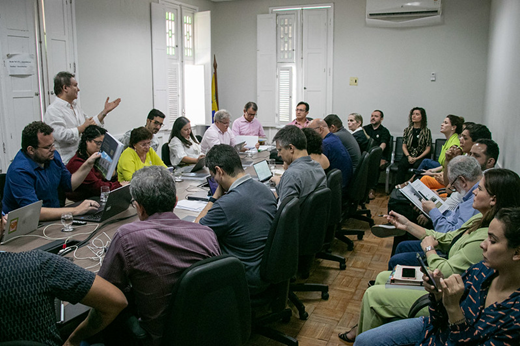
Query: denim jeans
x,y
399,333
427,164
405,254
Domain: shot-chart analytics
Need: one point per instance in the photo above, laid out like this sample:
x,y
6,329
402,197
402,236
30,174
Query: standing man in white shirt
x,y
67,119
248,125
218,132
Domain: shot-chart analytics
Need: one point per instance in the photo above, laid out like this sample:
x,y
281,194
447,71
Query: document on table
x,y
191,205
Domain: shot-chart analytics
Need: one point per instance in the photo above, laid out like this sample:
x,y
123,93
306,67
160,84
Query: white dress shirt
x,y
64,118
178,150
214,136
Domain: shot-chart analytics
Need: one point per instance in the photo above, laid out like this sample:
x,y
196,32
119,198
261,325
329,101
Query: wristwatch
x,y
428,248
212,200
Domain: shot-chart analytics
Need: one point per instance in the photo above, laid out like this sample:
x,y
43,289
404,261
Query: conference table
x,y
90,255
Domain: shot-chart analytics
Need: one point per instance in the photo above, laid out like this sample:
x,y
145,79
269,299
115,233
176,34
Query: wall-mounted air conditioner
x,y
402,13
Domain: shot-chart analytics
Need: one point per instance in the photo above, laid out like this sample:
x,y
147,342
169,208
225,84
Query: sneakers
x,y
384,231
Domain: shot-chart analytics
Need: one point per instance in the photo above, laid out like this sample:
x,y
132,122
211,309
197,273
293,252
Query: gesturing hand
x,y
452,291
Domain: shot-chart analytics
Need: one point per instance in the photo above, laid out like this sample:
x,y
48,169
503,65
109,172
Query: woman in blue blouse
x,y
479,307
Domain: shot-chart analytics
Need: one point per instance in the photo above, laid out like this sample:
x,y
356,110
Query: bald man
x,y
334,150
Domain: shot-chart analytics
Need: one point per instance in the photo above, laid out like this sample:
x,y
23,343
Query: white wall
x,y
393,65
502,98
115,59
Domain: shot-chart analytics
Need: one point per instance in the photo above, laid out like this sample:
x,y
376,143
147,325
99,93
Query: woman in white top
x,y
184,147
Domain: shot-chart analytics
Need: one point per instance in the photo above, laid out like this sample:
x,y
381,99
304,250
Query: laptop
x,y
22,221
238,147
118,201
250,141
193,168
263,172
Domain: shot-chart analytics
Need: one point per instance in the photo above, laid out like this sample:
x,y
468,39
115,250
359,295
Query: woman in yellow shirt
x,y
138,154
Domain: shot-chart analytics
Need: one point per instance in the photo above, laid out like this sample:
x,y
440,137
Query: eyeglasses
x,y
156,123
145,144
98,143
452,188
132,202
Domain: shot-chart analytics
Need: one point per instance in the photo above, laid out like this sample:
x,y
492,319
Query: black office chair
x,y
392,146
314,216
199,138
374,157
334,181
2,184
354,195
210,305
391,170
21,343
279,265
165,154
439,142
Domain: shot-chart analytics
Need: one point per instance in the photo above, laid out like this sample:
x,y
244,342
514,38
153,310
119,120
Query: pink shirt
x,y
214,136
242,127
307,122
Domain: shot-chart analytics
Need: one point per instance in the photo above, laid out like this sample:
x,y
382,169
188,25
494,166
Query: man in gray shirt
x,y
303,175
240,212
349,142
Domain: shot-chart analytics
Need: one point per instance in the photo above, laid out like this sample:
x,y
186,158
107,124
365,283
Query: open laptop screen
x,y
262,171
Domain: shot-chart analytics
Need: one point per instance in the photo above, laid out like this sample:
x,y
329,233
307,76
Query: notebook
x,y
194,168
22,221
118,201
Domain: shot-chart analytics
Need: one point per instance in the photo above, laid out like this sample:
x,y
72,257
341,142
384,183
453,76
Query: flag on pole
x,y
214,90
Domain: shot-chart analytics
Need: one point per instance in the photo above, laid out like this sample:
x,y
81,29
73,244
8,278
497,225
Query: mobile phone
x,y
408,273
79,223
425,270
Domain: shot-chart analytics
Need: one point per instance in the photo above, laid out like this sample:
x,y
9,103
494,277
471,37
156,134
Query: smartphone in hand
x,y
425,271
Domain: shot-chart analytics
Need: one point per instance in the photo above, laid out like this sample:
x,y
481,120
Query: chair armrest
x,y
132,323
418,305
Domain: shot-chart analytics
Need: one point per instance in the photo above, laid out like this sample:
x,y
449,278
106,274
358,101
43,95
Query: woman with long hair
x,y
478,307
417,142
184,147
497,190
90,143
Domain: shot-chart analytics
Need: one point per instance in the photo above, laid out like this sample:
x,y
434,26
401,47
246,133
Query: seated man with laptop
x,y
303,175
37,173
240,212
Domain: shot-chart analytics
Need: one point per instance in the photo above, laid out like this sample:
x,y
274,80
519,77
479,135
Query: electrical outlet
x,y
353,81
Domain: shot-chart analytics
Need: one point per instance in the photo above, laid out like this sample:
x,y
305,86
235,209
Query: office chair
x,y
391,170
209,306
392,148
2,184
165,154
372,164
314,216
334,181
374,157
279,265
21,343
355,194
439,142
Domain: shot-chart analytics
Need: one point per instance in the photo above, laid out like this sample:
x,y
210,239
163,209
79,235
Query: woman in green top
x,y
138,154
498,189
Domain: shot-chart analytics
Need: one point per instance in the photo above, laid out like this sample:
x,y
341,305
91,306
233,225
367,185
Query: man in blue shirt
x,y
334,150
37,172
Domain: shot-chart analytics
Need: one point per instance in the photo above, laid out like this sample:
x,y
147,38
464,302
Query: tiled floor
x,y
327,318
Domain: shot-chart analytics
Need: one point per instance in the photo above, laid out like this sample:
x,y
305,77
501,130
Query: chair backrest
x,y
210,305
439,142
358,183
314,217
371,142
2,184
391,146
398,149
21,343
334,181
165,154
280,259
374,160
